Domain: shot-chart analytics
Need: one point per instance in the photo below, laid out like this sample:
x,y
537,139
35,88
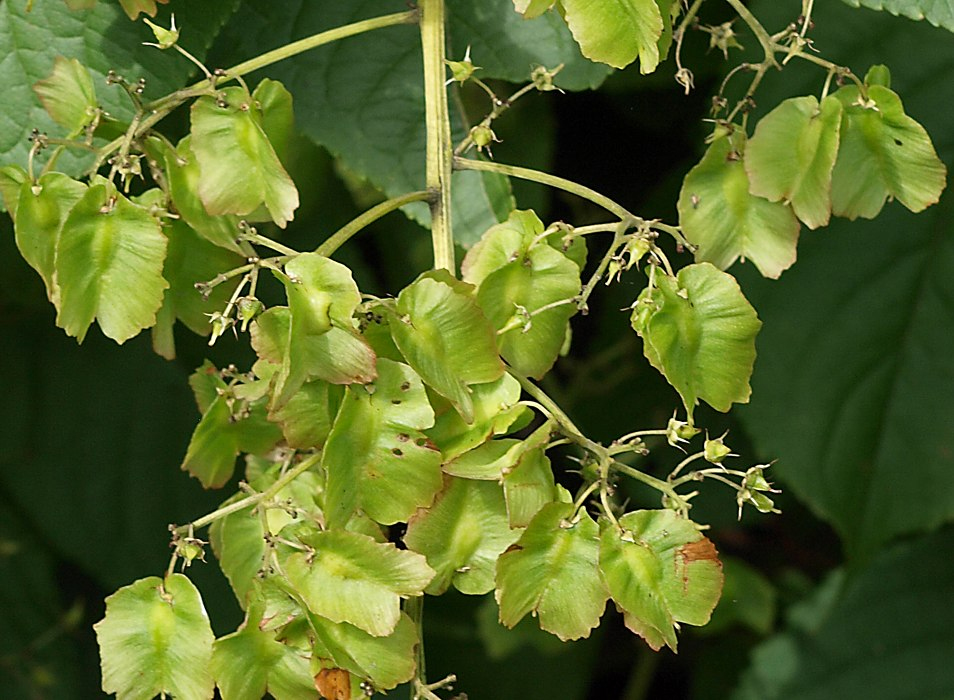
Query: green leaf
x,y
156,638
617,32
700,333
884,153
552,572
12,178
351,578
791,155
377,459
228,427
250,662
940,13
854,363
517,275
191,259
68,95
134,7
495,413
109,261
41,210
882,632
660,571
182,174
853,359
446,338
462,535
528,486
720,216
307,418
336,356
384,661
238,167
487,462
104,39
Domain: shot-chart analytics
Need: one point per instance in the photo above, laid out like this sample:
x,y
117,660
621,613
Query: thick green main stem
x,y
439,146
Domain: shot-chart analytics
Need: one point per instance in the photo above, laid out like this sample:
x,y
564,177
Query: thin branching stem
x,y
346,232
254,499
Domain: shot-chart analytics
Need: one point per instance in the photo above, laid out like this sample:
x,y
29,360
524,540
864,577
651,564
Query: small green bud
x,y
635,250
248,309
715,451
166,38
220,324
189,549
483,135
542,78
722,37
763,503
755,480
462,71
680,431
590,472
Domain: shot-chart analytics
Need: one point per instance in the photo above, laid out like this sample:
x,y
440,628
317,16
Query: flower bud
x,y
542,79
715,451
248,309
680,431
165,38
483,136
462,71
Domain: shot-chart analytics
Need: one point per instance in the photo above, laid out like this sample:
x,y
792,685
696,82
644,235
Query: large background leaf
x,y
940,13
854,379
883,634
370,110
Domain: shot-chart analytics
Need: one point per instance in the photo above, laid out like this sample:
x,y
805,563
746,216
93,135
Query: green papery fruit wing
x,y
462,535
156,639
109,260
660,571
239,168
884,153
699,331
552,572
792,153
377,460
719,215
40,212
446,338
351,578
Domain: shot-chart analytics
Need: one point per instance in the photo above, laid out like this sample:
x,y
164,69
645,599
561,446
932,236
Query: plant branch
x,y
342,235
252,500
439,145
156,111
760,33
550,181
